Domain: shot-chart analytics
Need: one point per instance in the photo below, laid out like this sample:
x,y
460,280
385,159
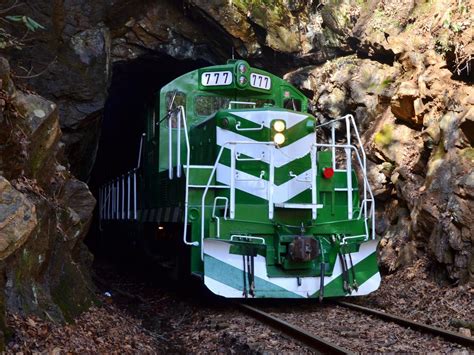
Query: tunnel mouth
x,y
132,90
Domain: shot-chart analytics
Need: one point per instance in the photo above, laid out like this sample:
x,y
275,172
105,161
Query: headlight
x,y
279,138
279,126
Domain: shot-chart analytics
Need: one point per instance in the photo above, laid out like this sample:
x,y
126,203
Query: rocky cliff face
x,y
44,211
416,111
402,68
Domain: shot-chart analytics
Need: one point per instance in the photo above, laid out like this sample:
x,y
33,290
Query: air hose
x,y
251,274
355,286
345,275
244,276
322,272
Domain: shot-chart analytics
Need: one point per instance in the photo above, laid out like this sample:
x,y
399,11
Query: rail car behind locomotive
x,y
230,170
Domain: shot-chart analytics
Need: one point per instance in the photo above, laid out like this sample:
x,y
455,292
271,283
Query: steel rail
x,y
425,328
314,342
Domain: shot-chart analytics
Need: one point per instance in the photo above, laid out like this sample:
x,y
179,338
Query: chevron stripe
x,y
297,166
282,155
286,157
281,193
261,133
266,117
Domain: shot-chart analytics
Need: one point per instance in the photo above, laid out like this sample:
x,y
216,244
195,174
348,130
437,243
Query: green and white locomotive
x,y
233,183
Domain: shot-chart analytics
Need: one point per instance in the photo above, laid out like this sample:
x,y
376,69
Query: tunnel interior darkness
x,y
132,88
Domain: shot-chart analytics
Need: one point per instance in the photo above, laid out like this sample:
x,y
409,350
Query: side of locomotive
x,y
231,163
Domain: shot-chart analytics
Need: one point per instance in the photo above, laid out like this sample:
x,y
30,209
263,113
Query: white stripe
x,y
221,289
259,188
369,286
266,117
283,155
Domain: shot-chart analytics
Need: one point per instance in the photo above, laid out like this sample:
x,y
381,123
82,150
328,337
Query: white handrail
x,y
123,197
348,170
128,195
178,145
117,200
214,168
135,195
107,211
186,194
314,173
350,121
331,121
232,181
260,178
333,141
237,157
249,103
259,128
214,213
366,182
293,175
364,157
139,160
271,182
260,239
170,148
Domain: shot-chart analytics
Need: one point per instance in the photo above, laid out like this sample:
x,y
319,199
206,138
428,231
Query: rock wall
x,y
44,211
416,112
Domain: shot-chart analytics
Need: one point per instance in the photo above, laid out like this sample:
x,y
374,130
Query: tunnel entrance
x,y
132,88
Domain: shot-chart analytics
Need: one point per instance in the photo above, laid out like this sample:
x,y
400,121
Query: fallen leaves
x,y
99,330
411,293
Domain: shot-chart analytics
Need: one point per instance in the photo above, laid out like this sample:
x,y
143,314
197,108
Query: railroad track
x,y
322,345
425,328
315,342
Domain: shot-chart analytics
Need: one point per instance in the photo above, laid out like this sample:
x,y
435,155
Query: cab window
x,y
292,104
208,105
263,102
258,103
173,100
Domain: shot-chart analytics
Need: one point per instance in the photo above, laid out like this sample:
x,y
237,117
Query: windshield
x,y
208,105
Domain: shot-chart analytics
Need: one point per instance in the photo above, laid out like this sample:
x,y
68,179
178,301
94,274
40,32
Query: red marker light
x,y
328,173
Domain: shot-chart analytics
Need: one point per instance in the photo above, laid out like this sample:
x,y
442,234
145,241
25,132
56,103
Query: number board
x,y
260,81
216,78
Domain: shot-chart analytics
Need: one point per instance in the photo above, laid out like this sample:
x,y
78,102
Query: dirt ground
x,y
136,315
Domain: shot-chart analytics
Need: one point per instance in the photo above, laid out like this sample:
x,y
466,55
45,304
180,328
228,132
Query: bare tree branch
x,y
15,5
37,74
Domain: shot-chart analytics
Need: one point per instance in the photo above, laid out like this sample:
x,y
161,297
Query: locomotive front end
x,y
280,218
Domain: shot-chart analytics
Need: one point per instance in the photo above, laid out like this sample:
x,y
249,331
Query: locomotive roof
x,y
236,77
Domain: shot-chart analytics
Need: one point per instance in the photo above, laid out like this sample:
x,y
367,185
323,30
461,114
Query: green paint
x,y
364,271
